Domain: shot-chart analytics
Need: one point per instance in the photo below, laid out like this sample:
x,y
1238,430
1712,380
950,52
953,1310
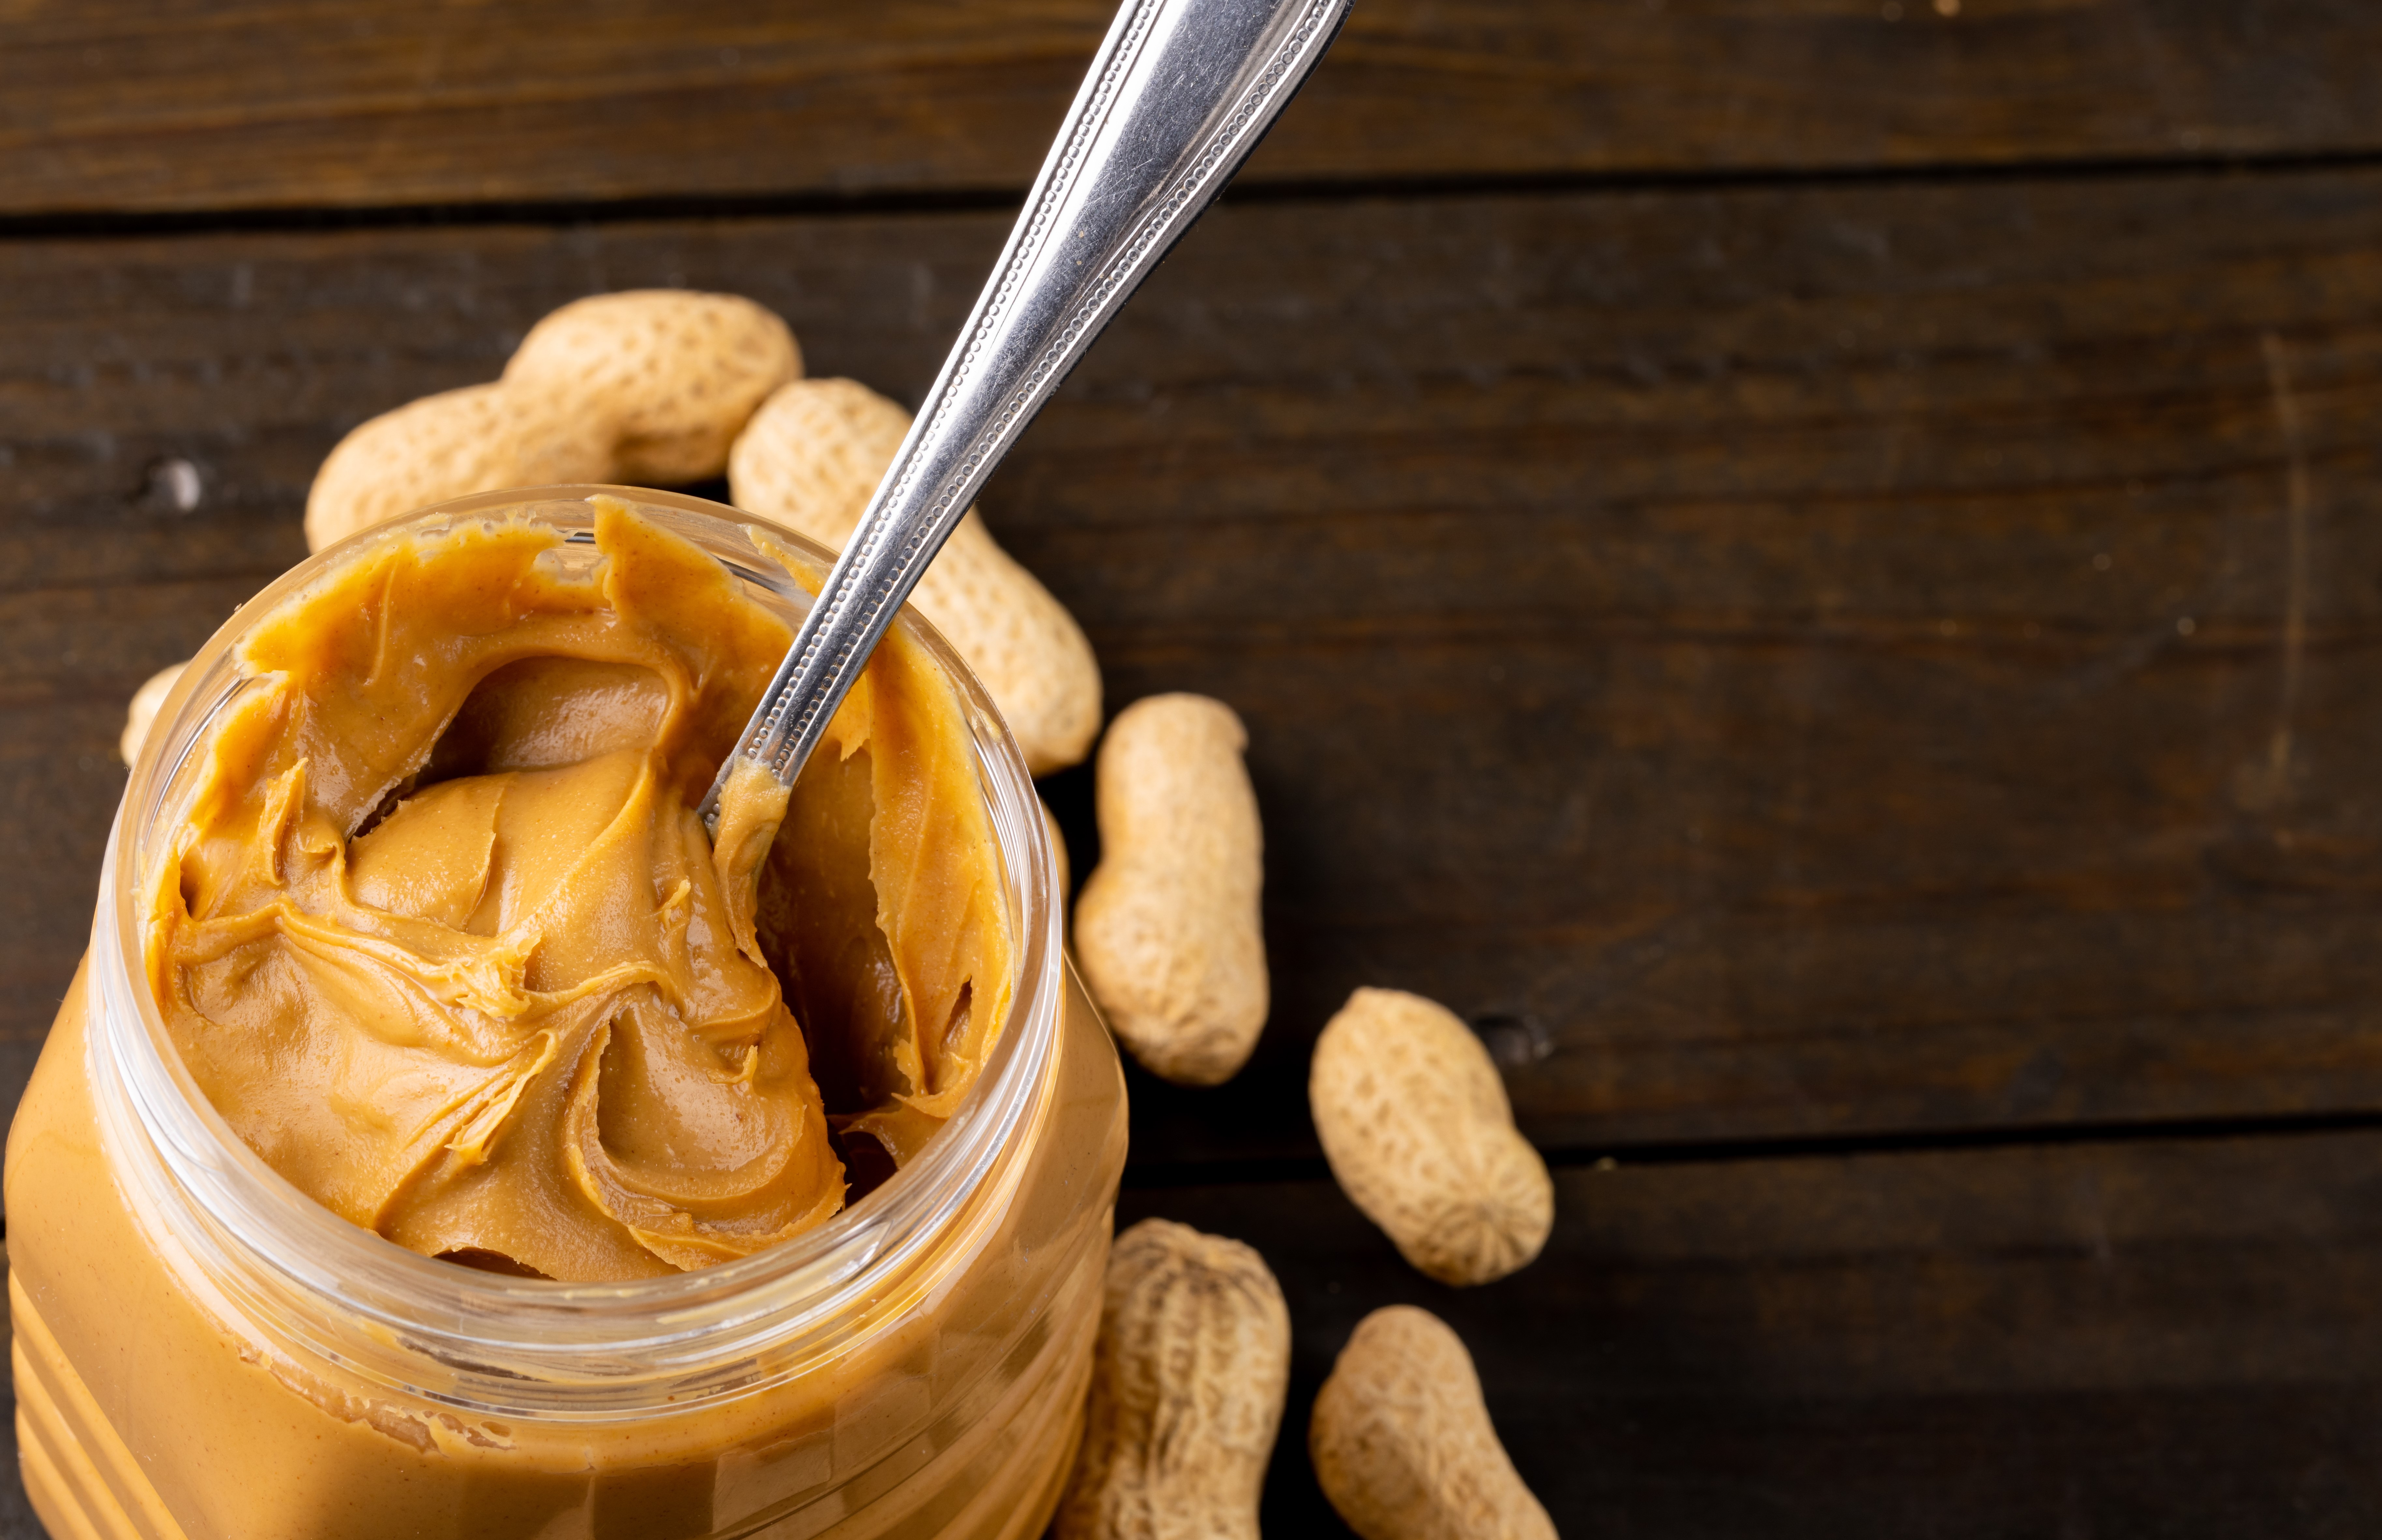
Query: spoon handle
x,y
1179,94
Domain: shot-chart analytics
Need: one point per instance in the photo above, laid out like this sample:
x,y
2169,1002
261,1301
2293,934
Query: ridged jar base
x,y
120,1371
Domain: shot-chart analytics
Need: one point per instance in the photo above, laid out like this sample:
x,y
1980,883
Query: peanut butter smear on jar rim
x,y
442,939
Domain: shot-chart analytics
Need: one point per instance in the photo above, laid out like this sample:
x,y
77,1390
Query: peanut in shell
x,y
1402,1442
1414,1120
811,458
1168,931
1188,1376
676,375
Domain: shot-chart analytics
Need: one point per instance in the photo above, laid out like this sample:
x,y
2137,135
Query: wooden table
x,y
1811,566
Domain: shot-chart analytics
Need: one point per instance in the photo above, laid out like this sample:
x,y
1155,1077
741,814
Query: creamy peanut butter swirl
x,y
443,939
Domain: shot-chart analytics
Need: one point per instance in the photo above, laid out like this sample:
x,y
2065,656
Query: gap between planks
x,y
1259,1170
568,212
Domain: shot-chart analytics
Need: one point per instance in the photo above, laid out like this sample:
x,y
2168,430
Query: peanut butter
x,y
445,941
431,795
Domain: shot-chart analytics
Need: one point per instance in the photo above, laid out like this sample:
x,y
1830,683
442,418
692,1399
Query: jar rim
x,y
518,1345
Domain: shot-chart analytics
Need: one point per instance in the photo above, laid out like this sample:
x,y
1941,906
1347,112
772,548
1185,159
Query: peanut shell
x,y
811,458
142,715
476,439
1402,1445
1415,1122
1168,932
676,372
1188,1377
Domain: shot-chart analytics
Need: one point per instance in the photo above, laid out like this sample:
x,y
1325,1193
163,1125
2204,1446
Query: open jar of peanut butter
x,y
778,1210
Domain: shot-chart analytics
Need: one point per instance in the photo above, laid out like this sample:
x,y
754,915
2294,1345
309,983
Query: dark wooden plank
x,y
2171,1339
117,104
1874,658
1823,661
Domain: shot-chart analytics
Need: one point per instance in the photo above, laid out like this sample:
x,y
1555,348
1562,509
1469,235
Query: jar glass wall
x,y
203,1351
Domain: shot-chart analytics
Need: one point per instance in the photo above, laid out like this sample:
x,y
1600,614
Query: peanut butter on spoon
x,y
445,941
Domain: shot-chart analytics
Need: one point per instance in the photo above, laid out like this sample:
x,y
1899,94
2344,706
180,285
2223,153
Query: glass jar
x,y
203,1352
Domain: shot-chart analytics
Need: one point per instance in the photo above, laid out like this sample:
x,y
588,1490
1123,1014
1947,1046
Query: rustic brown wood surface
x,y
111,105
1858,684
2136,1338
1916,703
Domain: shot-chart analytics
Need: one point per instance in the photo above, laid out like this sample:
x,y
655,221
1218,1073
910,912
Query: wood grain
x,y
1812,661
2153,1337
1797,640
2126,1339
127,105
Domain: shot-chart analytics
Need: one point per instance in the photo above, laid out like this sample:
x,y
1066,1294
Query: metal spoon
x,y
1178,95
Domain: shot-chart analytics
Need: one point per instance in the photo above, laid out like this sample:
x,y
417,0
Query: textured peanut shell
x,y
811,458
475,439
142,715
1416,1125
1402,1442
1167,928
676,372
1188,1377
